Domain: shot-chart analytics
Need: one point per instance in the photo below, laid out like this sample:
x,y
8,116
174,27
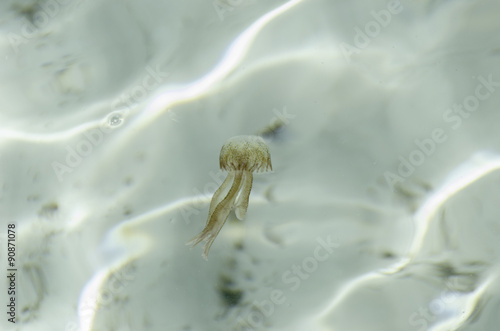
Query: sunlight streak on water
x,y
234,55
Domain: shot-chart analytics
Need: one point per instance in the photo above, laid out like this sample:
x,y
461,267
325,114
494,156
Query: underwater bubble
x,y
115,120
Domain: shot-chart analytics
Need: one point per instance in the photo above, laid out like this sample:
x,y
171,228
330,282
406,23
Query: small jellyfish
x,y
240,156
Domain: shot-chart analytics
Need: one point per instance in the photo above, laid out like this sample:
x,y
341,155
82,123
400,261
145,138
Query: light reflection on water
x,y
381,212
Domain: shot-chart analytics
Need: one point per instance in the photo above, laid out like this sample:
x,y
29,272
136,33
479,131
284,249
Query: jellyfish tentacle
x,y
218,217
244,196
220,193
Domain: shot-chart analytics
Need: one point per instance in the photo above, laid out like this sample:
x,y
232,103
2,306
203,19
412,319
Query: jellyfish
x,y
241,156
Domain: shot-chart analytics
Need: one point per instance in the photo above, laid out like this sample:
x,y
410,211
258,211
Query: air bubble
x,y
115,120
